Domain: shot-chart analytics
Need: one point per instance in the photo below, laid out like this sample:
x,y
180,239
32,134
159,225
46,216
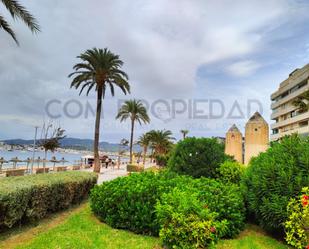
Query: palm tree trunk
x,y
131,139
144,156
44,163
97,164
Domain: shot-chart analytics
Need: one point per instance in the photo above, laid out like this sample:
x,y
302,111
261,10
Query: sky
x,y
196,65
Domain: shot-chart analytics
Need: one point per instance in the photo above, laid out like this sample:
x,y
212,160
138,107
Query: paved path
x,y
110,173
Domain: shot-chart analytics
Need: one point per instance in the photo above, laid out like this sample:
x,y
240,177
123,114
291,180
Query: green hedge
x,y
29,198
135,168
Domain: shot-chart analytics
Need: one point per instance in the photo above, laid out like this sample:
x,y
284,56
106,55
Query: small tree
x,y
161,141
122,149
197,157
184,133
50,141
144,141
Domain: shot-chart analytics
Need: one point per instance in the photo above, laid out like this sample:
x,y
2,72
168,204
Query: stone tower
x,y
233,144
256,137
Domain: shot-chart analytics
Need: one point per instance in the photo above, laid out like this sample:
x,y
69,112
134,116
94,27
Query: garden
x,y
202,198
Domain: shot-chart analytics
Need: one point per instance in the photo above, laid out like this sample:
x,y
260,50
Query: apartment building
x,y
288,119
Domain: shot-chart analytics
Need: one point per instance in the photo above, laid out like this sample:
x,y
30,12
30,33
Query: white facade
x,y
287,119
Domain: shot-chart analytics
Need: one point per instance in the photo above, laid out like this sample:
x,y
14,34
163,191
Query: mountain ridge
x,y
74,143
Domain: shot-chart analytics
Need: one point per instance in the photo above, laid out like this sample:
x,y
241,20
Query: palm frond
x,y
18,11
5,26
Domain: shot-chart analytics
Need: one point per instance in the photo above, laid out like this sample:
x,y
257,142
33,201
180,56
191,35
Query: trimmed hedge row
x,y
29,198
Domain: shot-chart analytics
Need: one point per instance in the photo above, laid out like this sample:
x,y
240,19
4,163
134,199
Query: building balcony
x,y
299,130
289,97
282,111
290,121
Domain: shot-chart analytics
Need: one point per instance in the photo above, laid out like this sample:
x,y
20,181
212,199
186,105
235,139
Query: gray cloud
x,y
163,45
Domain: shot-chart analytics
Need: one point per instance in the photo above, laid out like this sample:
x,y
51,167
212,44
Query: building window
x,y
275,131
303,123
293,114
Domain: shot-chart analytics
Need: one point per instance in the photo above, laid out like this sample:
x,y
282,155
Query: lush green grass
x,y
251,238
80,229
83,230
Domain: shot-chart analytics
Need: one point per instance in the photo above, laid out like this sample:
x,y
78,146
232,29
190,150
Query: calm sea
x,y
23,155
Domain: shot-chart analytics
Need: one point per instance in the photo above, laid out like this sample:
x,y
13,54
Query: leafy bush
x,y
186,222
197,157
297,225
224,199
28,198
231,172
273,178
135,168
129,202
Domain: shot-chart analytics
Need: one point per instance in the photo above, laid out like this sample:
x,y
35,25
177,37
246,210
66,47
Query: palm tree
x,y
161,141
135,111
144,141
17,11
122,145
99,69
184,133
302,102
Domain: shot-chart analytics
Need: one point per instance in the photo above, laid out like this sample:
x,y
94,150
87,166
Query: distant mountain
x,y
74,143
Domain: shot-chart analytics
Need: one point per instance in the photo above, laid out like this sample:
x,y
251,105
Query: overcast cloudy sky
x,y
177,51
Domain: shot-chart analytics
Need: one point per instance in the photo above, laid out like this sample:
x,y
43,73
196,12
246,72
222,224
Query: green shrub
x,y
135,168
186,222
231,172
273,178
224,199
297,225
197,157
28,198
129,202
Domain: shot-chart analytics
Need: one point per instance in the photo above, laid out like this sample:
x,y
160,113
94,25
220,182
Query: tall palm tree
x,y
161,141
144,141
17,11
184,133
99,69
302,102
135,111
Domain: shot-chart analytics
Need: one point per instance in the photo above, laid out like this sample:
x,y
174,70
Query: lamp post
x,y
34,144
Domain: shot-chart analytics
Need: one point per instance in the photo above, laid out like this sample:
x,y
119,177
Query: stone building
x,y
233,144
256,137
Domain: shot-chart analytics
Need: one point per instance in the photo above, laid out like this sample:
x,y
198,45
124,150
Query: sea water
x,y
71,158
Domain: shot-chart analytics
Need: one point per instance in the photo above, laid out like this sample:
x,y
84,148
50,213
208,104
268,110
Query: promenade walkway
x,y
110,173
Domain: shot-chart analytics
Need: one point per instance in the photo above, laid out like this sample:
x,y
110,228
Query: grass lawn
x,y
79,229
